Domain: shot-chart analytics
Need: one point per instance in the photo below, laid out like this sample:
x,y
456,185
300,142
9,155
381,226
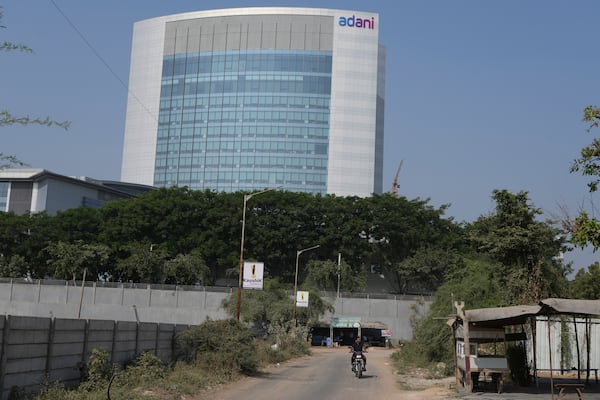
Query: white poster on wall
x,y
253,275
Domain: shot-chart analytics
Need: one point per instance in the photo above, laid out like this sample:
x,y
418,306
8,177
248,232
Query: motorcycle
x,y
358,364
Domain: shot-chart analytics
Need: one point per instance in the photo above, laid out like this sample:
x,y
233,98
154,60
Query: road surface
x,y
325,375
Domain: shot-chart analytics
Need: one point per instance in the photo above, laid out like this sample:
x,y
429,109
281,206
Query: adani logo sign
x,y
357,22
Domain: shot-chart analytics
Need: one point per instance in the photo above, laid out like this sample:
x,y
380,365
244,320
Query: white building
x,y
25,191
244,99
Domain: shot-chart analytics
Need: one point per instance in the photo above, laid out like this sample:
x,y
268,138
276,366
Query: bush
x,y
224,346
97,372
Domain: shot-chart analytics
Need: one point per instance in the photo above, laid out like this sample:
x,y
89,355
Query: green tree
x,y
526,249
187,269
586,284
429,268
477,284
143,262
324,275
273,306
14,267
585,230
69,260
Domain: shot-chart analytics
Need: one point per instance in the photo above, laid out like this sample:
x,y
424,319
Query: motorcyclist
x,y
357,346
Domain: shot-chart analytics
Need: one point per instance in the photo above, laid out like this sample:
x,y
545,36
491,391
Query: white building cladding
x,y
244,99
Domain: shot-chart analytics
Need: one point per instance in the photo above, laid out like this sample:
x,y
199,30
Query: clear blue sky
x,y
480,95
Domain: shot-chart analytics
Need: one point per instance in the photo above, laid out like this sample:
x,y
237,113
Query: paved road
x,y
325,375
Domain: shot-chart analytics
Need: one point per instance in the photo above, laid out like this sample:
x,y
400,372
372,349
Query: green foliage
x,y
586,284
97,372
429,267
273,307
145,369
525,248
14,267
323,275
187,269
142,263
69,260
225,347
585,230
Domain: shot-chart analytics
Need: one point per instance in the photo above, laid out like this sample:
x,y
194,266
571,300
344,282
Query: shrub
x,y
97,372
224,346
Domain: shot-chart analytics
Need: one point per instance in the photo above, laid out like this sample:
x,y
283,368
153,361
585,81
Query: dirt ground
x,y
391,385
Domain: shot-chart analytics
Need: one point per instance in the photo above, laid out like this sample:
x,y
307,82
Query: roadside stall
x,y
479,332
480,343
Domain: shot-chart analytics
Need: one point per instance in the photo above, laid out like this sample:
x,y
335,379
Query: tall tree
x,y
586,284
585,229
526,249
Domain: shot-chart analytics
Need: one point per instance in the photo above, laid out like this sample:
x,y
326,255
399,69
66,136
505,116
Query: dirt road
x,y
326,375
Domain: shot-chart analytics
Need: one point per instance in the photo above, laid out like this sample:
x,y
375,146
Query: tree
x,y
323,275
14,267
526,249
70,260
187,269
6,118
143,262
585,230
428,268
586,284
273,306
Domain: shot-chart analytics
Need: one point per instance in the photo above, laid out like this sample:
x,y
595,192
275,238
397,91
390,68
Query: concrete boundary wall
x,y
34,349
185,305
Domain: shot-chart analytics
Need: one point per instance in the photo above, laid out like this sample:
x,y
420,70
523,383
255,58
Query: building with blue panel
x,y
246,99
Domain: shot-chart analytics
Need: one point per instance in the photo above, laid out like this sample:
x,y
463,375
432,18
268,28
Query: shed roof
x,y
515,315
570,306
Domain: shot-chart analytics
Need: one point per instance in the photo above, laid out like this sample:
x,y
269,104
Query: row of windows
x,y
314,117
246,146
309,84
244,101
193,179
163,163
234,62
199,133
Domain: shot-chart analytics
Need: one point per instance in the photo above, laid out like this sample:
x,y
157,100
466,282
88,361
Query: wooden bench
x,y
578,387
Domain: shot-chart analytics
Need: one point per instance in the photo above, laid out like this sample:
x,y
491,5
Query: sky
x,y
480,95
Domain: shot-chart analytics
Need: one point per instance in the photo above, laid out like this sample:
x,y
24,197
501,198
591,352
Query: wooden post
x,y
550,359
468,383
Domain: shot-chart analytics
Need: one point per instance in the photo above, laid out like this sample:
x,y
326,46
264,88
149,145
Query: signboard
x,y
301,299
253,275
386,333
345,322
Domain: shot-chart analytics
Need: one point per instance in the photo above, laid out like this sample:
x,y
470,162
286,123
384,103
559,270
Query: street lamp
x,y
298,252
239,293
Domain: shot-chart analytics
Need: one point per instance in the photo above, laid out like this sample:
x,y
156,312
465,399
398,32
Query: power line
x,y
97,54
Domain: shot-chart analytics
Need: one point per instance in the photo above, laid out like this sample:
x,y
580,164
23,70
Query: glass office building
x,y
254,98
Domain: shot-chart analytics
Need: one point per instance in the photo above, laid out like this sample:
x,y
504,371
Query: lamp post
x,y
239,293
298,252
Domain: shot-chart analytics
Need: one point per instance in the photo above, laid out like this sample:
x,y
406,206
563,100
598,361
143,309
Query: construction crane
x,y
395,184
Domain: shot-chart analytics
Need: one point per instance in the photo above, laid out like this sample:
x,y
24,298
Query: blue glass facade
x,y
4,196
238,120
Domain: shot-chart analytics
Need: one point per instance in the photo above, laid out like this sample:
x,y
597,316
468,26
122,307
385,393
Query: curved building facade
x,y
254,98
